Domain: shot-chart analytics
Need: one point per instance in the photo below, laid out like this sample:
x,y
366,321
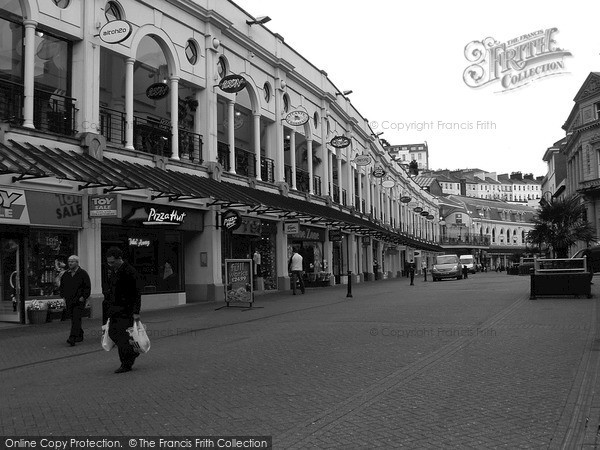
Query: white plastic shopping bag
x,y
139,337
107,342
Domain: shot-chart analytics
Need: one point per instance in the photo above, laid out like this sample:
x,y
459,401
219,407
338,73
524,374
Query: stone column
x,y
360,193
28,73
129,103
231,134
309,157
174,97
256,121
293,157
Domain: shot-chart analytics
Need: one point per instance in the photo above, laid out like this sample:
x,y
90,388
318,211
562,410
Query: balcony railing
x,y
151,135
267,169
344,198
465,239
223,155
54,112
11,102
336,193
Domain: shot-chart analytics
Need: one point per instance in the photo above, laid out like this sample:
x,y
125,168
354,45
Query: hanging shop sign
x,y
231,220
335,235
250,226
405,199
361,160
378,171
233,83
115,31
418,210
105,206
388,183
341,142
424,213
430,217
291,227
366,241
157,91
20,207
238,281
297,118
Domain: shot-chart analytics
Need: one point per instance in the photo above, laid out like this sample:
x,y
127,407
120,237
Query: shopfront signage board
x,y
297,118
165,217
362,160
341,142
231,220
238,281
291,227
379,172
335,235
105,206
19,207
232,84
157,91
115,31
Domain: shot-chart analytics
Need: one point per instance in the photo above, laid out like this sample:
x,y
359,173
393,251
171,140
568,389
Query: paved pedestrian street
x,y
465,364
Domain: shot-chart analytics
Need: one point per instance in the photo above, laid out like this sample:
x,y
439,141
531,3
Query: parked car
x,y
446,266
467,260
593,257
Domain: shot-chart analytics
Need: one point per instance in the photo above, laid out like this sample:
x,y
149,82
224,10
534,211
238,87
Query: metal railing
x,y
465,239
151,135
54,112
223,155
267,169
11,102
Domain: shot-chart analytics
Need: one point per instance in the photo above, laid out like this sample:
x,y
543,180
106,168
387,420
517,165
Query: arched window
x,y
62,4
112,11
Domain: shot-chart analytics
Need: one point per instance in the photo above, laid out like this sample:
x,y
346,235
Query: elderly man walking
x,y
75,288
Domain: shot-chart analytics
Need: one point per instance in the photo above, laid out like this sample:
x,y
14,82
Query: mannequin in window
x,y
169,280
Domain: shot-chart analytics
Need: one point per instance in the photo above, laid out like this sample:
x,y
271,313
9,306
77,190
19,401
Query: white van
x,y
467,260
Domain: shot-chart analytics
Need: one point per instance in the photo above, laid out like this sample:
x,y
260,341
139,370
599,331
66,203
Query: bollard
x,y
349,294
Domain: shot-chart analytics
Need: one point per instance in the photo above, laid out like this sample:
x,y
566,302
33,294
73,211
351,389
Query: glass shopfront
x,y
254,239
38,230
310,244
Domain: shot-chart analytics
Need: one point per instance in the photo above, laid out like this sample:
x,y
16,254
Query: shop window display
x,y
48,251
155,254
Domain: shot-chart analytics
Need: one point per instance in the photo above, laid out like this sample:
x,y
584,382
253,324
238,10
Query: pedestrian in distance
x,y
424,267
123,305
75,289
411,272
465,271
295,268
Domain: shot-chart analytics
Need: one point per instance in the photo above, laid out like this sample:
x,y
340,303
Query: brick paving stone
x,y
470,364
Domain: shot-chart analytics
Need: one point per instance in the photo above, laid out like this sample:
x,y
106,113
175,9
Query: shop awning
x,y
29,161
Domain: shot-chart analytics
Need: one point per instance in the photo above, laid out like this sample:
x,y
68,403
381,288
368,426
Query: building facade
x,y
186,134
405,153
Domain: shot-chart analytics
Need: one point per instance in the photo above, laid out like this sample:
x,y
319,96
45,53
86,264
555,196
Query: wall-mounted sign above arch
x,y
115,31
361,160
232,84
297,118
379,172
340,142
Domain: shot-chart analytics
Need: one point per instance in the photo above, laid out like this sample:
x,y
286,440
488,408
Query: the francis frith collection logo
x,y
516,62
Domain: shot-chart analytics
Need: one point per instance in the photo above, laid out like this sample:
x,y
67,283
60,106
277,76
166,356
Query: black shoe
x,y
123,369
293,293
71,342
79,339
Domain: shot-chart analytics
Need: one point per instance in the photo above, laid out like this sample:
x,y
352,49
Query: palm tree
x,y
560,225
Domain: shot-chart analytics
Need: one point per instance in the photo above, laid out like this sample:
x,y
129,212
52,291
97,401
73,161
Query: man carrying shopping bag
x,y
123,306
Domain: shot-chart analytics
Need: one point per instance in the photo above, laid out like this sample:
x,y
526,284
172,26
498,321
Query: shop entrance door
x,y
11,288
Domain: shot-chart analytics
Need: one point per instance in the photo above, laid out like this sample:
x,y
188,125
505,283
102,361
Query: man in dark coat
x,y
123,305
75,288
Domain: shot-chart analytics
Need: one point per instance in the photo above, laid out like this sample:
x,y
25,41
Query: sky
x,y
404,62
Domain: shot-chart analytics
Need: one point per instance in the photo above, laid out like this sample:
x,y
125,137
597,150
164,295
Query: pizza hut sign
x,y
157,91
232,84
231,220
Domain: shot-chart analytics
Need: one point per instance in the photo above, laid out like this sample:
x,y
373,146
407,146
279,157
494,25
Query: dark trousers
x,y
75,311
117,331
297,274
412,277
